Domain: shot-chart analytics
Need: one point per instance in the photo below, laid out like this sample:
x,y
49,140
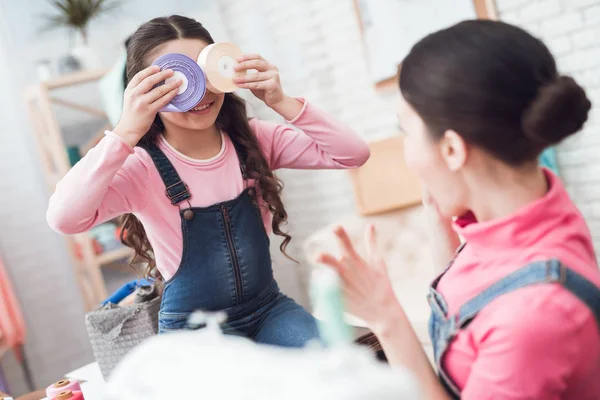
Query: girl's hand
x,y
366,285
264,83
143,100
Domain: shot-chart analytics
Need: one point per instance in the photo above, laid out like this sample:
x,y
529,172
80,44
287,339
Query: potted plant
x,y
76,15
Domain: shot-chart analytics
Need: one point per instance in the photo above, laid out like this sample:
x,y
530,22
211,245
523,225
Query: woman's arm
x,y
369,295
403,348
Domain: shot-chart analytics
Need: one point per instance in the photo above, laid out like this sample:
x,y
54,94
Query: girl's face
x,y
438,163
204,114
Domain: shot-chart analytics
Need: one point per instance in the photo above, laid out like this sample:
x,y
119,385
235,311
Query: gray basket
x,y
114,330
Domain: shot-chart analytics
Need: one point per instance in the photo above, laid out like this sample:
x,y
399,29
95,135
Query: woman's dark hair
x,y
495,85
232,119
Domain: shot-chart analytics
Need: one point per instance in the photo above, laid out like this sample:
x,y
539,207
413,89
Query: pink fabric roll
x,y
12,324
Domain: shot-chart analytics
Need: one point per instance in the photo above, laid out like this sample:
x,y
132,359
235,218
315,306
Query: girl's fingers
x,y
255,85
259,65
256,77
143,74
151,81
160,91
247,57
165,99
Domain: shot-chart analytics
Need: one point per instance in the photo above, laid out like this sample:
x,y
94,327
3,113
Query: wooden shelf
x,y
76,78
114,255
41,100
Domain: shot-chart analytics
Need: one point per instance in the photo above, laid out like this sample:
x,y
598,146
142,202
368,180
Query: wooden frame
x,y
55,163
485,9
385,182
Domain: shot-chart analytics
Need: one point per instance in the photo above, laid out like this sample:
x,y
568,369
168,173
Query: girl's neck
x,y
193,143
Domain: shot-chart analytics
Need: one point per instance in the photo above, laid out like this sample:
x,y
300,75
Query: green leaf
x,y
78,13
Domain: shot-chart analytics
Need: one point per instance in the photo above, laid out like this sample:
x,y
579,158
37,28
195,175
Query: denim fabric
x,y
226,266
444,328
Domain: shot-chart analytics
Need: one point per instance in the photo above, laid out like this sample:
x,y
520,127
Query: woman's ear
x,y
454,150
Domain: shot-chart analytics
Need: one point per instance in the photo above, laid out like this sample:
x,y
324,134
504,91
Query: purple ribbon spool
x,y
196,81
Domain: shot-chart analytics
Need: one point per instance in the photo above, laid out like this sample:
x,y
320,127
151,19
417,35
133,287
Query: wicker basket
x,y
114,330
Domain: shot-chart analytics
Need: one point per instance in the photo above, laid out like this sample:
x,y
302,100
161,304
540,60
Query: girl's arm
x,y
319,142
323,142
107,182
104,184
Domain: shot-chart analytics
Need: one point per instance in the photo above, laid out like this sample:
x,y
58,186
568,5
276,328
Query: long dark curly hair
x,y
231,119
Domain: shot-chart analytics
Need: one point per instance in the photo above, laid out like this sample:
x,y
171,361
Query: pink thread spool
x,y
65,384
69,395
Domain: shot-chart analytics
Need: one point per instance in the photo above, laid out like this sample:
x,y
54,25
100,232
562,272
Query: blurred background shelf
x,y
46,103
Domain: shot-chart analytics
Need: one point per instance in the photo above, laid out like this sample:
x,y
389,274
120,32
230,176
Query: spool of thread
x,y
217,61
327,297
193,86
64,384
69,395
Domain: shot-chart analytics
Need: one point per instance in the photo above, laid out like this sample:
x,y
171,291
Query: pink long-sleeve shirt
x,y
114,178
538,342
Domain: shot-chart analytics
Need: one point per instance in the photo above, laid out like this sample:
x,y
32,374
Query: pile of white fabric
x,y
206,364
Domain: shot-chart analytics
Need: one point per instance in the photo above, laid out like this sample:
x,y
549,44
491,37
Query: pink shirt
x,y
539,342
114,179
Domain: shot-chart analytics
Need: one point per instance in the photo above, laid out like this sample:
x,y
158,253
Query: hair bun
x,y
560,109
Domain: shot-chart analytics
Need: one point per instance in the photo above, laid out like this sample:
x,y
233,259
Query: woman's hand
x,y
444,241
366,285
142,101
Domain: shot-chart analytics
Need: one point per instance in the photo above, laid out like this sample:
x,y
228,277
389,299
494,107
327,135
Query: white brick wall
x,y
320,56
329,68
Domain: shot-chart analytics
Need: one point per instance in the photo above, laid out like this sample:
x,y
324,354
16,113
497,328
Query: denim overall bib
x,y
226,266
444,328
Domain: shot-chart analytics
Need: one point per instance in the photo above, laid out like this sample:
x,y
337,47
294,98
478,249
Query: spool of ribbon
x,y
217,61
66,384
193,87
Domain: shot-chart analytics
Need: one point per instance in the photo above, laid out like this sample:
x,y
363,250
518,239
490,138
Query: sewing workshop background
x,y
333,52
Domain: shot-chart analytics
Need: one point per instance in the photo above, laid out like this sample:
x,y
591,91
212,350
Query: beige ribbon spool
x,y
217,61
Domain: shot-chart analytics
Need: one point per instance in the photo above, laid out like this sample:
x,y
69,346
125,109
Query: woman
x,y
516,315
199,188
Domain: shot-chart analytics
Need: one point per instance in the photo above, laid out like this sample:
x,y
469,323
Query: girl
x,y
516,314
199,186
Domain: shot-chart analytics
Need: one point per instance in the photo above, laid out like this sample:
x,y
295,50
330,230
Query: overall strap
x,y
450,263
176,190
551,271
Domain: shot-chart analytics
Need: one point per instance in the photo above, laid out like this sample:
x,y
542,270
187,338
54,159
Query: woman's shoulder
x,y
539,313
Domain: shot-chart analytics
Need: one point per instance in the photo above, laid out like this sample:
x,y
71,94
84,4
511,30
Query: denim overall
x,y
226,266
443,328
